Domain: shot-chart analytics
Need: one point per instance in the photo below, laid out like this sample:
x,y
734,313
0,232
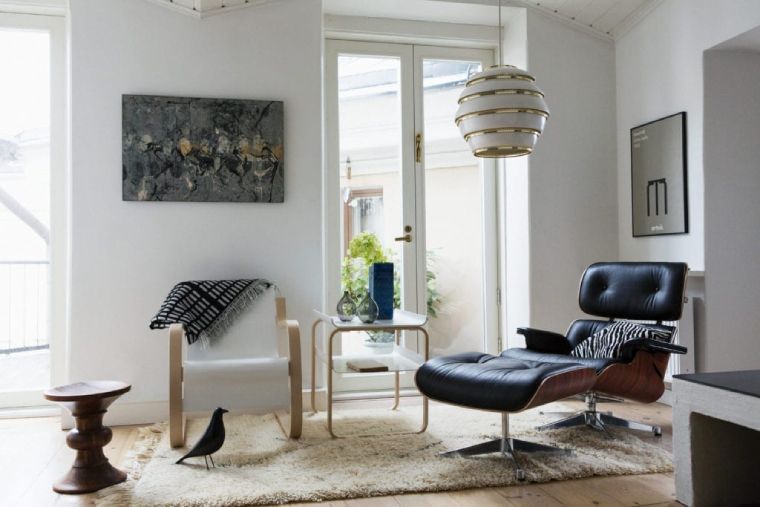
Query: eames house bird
x,y
211,441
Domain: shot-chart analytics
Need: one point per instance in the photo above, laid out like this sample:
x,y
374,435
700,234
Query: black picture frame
x,y
659,162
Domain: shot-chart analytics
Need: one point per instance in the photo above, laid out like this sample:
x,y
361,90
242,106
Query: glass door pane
x,y
24,210
371,191
454,215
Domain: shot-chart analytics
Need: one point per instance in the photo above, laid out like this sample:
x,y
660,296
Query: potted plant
x,y
364,250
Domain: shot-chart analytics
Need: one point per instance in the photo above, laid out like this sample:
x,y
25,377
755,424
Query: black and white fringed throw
x,y
207,308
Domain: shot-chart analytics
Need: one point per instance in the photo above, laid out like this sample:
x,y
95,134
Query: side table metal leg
x,y
314,365
424,398
396,397
397,380
424,414
330,383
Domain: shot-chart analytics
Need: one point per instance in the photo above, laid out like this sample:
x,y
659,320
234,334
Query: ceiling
x,y
203,8
604,18
608,17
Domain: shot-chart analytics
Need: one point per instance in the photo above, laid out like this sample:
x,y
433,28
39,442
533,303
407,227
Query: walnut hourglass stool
x,y
88,403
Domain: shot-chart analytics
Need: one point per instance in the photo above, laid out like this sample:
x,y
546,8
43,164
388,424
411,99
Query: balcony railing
x,y
24,306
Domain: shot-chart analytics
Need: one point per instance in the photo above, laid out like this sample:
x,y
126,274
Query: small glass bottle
x,y
367,309
346,308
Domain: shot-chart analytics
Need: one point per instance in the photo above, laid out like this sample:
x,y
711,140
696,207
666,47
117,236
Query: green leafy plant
x,y
431,282
364,250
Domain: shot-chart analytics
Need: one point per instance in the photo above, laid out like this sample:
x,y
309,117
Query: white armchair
x,y
255,367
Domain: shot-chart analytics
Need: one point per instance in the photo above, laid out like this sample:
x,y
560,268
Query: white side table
x,y
400,359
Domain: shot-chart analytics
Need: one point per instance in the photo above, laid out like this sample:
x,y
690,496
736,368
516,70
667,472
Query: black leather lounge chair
x,y
544,371
641,291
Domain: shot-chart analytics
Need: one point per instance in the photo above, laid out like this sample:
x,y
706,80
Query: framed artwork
x,y
202,150
659,196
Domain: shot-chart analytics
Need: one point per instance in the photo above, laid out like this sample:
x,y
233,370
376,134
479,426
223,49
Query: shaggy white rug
x,y
258,465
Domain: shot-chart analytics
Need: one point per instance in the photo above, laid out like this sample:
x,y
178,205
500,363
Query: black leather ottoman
x,y
501,384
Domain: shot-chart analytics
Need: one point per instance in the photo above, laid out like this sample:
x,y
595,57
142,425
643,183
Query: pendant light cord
x,y
498,46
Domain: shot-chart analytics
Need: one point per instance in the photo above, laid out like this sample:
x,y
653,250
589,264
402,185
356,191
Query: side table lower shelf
x,y
399,360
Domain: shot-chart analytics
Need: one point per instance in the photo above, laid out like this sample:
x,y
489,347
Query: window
x,y
31,166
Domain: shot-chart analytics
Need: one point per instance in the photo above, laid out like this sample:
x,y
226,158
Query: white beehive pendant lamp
x,y
501,111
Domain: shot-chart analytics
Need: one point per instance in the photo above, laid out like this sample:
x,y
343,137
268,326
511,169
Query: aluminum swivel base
x,y
507,446
592,418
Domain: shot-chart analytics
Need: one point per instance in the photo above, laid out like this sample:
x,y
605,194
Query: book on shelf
x,y
366,365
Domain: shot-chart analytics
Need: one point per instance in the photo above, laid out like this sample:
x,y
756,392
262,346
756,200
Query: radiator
x,y
684,335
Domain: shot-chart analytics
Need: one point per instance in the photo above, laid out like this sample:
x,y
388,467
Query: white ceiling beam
x,y
204,8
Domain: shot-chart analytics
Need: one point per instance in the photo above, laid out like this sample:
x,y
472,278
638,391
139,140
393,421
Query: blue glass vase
x,y
381,288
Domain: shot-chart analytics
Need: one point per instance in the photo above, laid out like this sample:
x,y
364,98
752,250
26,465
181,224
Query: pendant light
x,y
501,111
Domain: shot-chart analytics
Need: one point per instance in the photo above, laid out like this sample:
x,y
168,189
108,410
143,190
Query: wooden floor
x,y
33,454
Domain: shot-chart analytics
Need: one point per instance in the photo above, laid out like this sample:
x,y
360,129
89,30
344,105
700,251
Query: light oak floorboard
x,y
530,495
33,454
581,492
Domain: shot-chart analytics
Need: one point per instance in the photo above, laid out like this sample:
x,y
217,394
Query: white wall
x,y
572,199
732,210
659,72
127,255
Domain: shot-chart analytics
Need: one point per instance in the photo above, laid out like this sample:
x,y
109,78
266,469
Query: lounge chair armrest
x,y
545,341
629,348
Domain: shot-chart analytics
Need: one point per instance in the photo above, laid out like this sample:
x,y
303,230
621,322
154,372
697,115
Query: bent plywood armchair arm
x,y
176,415
291,328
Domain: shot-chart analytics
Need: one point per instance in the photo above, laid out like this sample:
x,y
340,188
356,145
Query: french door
x,y
401,185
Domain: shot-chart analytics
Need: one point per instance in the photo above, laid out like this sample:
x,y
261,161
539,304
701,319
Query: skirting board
x,y
148,412
30,412
122,414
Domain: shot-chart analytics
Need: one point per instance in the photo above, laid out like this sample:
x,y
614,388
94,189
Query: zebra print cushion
x,y
607,341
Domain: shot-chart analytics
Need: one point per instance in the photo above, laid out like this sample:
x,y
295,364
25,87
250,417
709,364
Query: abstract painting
x,y
658,177
202,150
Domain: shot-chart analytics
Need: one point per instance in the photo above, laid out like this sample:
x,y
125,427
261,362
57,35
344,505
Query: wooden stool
x,y
88,402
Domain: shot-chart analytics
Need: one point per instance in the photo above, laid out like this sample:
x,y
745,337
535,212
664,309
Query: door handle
x,y
418,148
406,237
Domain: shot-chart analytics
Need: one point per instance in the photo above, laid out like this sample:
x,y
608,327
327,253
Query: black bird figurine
x,y
211,441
